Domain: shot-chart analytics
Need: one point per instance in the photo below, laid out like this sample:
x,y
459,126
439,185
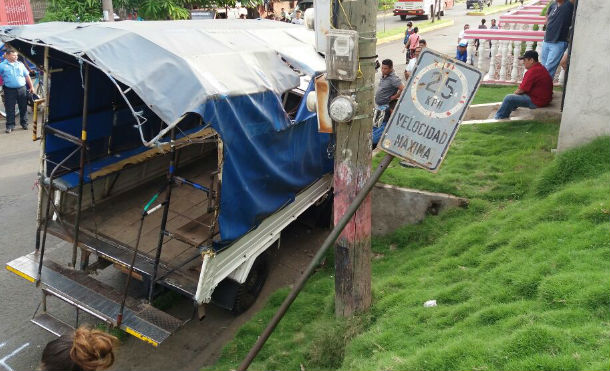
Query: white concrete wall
x,y
586,113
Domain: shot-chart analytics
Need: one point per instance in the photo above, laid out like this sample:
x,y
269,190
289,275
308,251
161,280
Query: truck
x,y
172,154
419,8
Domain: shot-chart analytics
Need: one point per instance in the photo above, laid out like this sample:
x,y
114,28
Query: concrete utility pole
x,y
353,163
107,11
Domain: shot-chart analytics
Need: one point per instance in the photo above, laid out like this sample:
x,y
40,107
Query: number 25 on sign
x,y
428,113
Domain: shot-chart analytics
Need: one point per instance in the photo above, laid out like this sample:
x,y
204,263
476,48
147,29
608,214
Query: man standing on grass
x,y
17,83
558,21
536,89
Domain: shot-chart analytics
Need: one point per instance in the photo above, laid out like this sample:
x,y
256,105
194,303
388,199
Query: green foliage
x,y
521,282
73,11
546,9
162,9
385,5
91,10
114,331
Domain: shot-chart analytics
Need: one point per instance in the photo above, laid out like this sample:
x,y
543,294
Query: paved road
x,y
443,40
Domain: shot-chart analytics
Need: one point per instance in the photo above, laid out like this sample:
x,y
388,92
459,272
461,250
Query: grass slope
x,y
520,276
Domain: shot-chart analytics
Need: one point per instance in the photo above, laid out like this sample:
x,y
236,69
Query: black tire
x,y
247,293
442,13
403,17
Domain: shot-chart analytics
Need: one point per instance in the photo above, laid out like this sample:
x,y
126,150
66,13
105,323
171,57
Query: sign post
x,y
434,102
428,113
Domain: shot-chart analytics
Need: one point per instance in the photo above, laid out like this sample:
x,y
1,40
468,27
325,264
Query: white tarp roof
x,y
174,66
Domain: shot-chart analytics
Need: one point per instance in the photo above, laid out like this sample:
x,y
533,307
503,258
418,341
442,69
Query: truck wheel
x,y
249,290
403,17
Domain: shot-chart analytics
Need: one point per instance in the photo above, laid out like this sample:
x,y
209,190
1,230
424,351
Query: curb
x,y
427,29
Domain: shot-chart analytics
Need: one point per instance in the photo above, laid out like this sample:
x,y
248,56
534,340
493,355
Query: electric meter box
x,y
342,55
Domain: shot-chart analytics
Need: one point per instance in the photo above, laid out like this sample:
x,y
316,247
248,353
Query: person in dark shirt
x,y
558,21
482,26
389,88
536,89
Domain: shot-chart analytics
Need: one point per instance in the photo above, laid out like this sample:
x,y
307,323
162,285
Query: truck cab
x,y
418,8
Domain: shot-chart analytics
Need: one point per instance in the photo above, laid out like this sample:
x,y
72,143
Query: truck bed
x,y
188,220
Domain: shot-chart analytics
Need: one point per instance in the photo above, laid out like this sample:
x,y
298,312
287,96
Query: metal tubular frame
x,y
168,195
48,207
81,175
41,168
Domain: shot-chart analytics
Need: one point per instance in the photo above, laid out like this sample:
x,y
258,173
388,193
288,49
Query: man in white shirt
x,y
297,19
411,65
461,35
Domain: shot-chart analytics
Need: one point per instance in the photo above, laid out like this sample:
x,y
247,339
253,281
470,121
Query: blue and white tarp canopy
x,y
230,72
209,57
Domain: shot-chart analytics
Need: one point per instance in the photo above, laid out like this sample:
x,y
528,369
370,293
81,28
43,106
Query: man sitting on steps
x,y
536,89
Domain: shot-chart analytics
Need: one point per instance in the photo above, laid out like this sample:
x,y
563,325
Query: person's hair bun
x,y
92,349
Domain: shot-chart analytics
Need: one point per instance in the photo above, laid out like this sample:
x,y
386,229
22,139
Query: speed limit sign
x,y
430,109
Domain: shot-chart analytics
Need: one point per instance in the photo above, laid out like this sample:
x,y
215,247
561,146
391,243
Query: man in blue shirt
x,y
15,76
558,22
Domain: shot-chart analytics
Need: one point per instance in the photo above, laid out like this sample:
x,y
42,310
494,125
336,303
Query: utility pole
x,y
353,162
107,11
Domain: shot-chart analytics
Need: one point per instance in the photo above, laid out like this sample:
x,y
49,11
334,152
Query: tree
x,y
74,11
91,10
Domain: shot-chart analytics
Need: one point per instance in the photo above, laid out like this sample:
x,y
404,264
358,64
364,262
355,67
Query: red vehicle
x,y
422,8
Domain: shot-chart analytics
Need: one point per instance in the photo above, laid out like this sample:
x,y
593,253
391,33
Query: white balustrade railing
x,y
499,49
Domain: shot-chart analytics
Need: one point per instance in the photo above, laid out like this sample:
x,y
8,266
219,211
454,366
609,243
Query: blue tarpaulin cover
x,y
268,158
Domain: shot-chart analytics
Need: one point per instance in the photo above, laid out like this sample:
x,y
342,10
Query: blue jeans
x,y
551,55
511,102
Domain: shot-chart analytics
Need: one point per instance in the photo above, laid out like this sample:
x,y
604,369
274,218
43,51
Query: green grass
x,y
496,93
491,162
521,276
421,26
493,93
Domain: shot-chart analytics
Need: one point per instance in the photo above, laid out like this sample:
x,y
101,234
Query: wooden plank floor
x,y
119,218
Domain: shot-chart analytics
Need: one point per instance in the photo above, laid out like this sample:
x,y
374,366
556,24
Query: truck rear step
x,y
85,293
121,255
55,326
